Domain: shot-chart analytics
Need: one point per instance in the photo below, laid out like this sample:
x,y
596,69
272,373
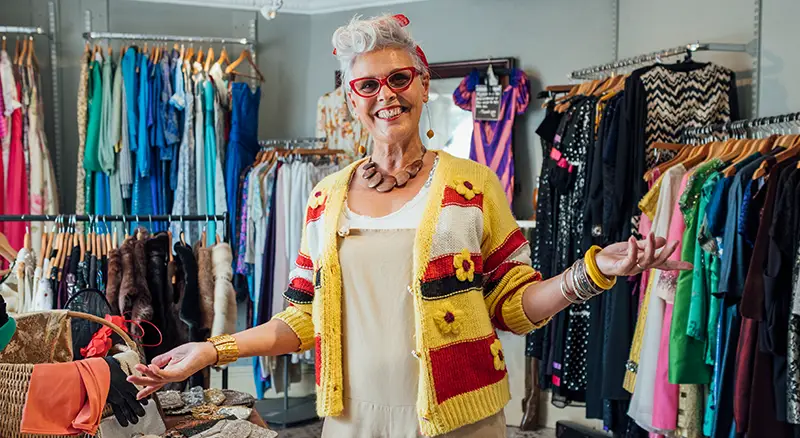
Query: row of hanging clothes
x,y
170,291
28,182
274,194
717,348
595,143
163,131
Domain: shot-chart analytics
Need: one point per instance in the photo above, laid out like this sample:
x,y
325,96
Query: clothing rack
x,y
52,36
120,218
165,38
740,126
602,69
249,42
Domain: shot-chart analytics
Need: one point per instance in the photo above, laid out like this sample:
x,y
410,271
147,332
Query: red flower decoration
x,y
101,340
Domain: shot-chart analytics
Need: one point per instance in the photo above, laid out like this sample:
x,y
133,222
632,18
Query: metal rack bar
x,y
741,124
170,38
22,30
291,141
111,218
591,72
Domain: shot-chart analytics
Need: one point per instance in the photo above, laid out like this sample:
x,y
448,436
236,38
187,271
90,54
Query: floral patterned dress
x,y
339,127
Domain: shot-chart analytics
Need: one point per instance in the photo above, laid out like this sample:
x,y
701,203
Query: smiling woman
x,y
401,282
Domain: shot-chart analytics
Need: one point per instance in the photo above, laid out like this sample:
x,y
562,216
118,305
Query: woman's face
x,y
390,116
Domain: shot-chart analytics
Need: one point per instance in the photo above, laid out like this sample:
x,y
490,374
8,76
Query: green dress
x,y
686,354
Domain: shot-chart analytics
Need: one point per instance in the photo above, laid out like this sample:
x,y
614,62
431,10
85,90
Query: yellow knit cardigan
x,y
471,264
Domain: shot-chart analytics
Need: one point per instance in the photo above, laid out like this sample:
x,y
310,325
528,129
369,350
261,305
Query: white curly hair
x,y
361,36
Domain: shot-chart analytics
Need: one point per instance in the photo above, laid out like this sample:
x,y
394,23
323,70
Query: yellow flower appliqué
x,y
448,318
317,199
465,267
466,189
497,352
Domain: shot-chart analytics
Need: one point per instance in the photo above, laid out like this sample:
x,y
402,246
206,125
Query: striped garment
x,y
492,141
472,265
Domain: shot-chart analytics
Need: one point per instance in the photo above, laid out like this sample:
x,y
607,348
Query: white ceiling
x,y
308,7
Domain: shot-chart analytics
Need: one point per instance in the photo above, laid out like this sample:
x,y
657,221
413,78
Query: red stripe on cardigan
x,y
303,285
442,267
513,242
498,319
317,358
451,197
304,261
313,214
464,367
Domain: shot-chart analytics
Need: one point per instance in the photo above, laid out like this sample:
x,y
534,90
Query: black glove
x,y
122,395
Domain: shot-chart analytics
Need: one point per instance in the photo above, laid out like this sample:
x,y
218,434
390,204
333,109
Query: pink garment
x,y
665,397
17,191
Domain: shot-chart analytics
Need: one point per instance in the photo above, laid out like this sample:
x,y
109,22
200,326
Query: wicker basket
x,y
15,379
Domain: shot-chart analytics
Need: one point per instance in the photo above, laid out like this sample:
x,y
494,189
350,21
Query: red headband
x,y
404,21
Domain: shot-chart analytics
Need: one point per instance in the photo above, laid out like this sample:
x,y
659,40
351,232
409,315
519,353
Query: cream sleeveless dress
x,y
380,373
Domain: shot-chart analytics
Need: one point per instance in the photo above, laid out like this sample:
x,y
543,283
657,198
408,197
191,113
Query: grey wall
x,y
549,38
780,58
649,25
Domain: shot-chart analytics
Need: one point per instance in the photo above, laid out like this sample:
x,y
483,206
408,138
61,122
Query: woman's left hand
x,y
633,257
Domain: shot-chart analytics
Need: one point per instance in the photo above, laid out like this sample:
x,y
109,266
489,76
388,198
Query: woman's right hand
x,y
175,365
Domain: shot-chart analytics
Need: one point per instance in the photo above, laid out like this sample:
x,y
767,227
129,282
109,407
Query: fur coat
x,y
114,280
205,281
134,293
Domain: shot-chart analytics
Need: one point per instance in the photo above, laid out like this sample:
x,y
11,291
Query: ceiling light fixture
x,y
270,11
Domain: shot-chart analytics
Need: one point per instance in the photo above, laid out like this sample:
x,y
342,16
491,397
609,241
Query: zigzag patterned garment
x,y
681,96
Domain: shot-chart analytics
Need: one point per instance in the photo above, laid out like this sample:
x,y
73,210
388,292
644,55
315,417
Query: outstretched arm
x,y
273,338
544,299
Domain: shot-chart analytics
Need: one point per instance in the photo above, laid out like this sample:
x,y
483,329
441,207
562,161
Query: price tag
x,y
487,102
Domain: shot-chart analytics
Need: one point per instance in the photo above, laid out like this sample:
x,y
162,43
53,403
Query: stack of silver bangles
x,y
583,286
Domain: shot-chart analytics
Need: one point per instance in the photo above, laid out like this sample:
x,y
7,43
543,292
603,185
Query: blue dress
x,y
243,141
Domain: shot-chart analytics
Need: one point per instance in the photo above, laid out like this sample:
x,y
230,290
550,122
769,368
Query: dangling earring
x,y
430,125
362,150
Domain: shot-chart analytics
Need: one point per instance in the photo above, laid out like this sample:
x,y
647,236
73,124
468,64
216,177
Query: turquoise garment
x,y
211,156
7,331
90,161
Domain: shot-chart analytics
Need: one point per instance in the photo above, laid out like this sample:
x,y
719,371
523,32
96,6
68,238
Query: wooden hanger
x,y
223,57
682,155
200,55
82,243
791,151
209,59
26,241
28,52
244,56
109,243
58,242
4,43
699,155
42,250
20,51
6,250
31,54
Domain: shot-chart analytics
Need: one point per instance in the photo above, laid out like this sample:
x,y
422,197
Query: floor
x,y
314,430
